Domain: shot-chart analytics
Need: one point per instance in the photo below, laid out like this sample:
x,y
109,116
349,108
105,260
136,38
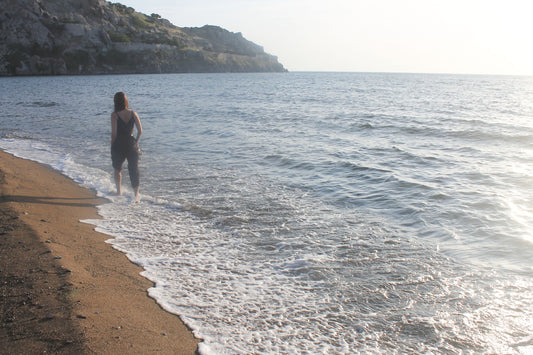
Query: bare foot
x,y
137,196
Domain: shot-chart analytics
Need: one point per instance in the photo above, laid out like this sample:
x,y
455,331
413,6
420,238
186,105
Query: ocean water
x,y
311,213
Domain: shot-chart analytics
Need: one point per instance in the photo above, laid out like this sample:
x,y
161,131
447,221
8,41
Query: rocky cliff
x,y
54,37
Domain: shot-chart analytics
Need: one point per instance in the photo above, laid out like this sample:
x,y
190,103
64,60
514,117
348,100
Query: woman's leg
x,y
117,158
133,169
118,181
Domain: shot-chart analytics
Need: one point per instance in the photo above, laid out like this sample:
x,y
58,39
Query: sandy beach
x,y
64,290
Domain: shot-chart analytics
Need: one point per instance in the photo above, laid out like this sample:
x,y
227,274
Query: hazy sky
x,y
424,36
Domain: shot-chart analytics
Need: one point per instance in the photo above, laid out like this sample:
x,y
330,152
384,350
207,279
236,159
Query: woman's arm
x,y
113,127
138,125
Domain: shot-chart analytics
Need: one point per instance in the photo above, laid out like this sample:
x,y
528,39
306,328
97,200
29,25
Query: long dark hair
x,y
121,101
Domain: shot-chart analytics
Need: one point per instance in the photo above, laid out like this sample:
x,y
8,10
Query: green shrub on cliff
x,y
118,36
141,21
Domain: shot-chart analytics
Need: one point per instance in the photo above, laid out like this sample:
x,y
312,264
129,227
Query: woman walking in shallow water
x,y
123,144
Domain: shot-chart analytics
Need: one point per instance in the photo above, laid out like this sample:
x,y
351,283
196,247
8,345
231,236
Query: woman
x,y
123,145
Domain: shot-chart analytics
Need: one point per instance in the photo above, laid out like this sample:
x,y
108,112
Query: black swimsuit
x,y
123,128
125,147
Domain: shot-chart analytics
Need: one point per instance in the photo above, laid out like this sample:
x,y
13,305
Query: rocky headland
x,y
60,37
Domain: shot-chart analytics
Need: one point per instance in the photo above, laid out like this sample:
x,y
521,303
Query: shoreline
x,y
64,289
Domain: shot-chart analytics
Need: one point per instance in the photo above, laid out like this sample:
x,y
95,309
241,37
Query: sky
x,y
414,36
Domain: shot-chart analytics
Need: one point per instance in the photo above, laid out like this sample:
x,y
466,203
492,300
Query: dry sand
x,y
63,290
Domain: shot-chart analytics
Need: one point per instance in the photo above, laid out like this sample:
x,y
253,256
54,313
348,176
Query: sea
x,y
310,212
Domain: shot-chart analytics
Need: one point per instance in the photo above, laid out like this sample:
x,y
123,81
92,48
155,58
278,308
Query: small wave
x,y
365,125
14,135
38,104
527,342
489,134
357,167
290,163
197,210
